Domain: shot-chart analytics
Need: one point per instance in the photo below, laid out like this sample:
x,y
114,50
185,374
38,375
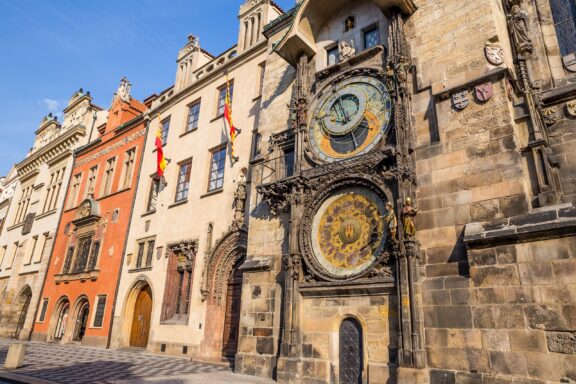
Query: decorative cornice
x,y
53,150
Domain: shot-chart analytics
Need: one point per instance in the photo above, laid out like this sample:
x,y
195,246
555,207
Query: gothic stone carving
x,y
484,92
460,100
217,268
571,108
494,54
518,26
186,251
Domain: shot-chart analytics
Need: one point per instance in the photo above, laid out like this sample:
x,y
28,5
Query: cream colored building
x,y
7,187
162,304
32,218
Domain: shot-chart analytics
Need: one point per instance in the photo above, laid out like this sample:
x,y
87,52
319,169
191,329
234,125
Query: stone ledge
x,y
260,264
544,223
363,287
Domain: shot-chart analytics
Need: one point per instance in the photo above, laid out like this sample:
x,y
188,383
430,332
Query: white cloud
x,y
52,105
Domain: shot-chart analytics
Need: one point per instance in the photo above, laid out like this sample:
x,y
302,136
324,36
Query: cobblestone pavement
x,y
53,363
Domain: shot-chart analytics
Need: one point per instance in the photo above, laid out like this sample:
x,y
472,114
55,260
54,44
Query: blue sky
x,y
50,48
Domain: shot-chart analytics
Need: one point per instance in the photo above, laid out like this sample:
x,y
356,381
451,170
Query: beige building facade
x,y
41,180
182,223
398,206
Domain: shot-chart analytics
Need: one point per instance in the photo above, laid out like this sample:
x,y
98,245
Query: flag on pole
x,y
161,160
228,117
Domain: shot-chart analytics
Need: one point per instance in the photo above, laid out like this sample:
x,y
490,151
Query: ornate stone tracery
x,y
227,252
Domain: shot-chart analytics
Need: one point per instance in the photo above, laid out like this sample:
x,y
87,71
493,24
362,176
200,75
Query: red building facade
x,y
79,292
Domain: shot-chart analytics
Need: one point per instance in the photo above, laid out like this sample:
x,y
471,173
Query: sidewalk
x,y
53,363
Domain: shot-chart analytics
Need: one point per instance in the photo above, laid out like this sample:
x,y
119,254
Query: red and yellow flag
x,y
228,117
161,160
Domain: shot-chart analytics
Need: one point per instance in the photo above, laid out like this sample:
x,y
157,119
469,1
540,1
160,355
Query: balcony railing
x,y
275,169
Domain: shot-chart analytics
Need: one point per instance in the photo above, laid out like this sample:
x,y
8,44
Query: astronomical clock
x,y
350,118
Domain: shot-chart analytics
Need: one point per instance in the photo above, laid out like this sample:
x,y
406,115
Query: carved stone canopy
x,y
87,210
311,18
186,251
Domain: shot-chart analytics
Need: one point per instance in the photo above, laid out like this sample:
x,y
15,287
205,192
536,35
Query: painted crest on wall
x,y
571,108
460,99
484,92
550,116
494,54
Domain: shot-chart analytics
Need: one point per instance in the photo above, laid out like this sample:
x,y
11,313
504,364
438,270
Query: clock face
x,y
350,119
348,232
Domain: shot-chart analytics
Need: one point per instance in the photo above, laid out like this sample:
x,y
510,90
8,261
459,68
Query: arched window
x,y
564,14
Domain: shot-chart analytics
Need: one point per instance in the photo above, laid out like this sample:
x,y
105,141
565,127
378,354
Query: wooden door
x,y
141,319
232,317
350,352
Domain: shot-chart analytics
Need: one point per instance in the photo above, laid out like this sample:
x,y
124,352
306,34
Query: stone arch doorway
x,y
61,319
222,290
23,304
141,318
81,320
351,352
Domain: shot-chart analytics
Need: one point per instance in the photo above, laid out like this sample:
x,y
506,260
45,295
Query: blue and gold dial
x,y
350,119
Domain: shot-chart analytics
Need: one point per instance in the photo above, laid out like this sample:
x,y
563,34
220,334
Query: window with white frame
x,y
165,130
193,116
222,98
216,180
183,183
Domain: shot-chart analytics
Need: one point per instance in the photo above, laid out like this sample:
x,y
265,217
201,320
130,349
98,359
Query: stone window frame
x,y
91,181
181,262
561,42
75,190
43,310
97,302
128,167
374,27
53,189
109,173
24,203
148,246
332,48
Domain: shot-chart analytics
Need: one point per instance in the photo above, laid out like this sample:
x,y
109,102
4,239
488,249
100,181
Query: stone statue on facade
x,y
391,222
408,215
240,202
123,91
518,25
346,50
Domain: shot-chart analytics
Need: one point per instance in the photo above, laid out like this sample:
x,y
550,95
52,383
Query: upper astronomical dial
x,y
350,119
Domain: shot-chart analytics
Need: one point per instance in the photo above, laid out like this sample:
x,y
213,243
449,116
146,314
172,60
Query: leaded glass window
x,y
371,37
564,14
